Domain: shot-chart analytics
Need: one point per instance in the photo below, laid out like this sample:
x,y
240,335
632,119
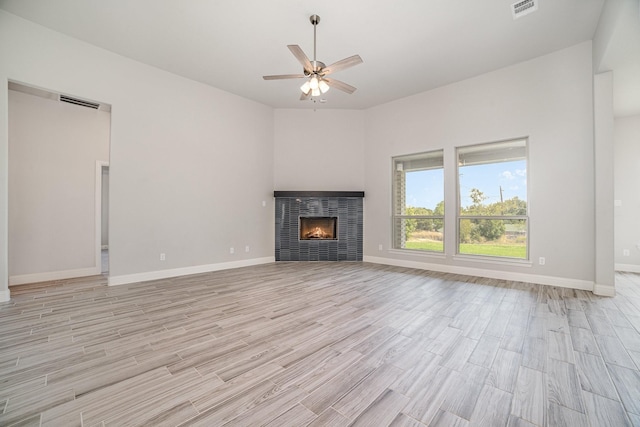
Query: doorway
x,y
58,146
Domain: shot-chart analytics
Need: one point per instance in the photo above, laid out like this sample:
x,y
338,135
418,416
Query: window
x,y
492,194
418,199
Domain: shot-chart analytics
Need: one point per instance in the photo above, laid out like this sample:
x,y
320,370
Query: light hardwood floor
x,y
319,344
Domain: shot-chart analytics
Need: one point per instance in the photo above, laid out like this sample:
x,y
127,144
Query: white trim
x,y
184,271
494,260
463,257
98,214
5,296
604,290
629,268
53,275
417,253
562,282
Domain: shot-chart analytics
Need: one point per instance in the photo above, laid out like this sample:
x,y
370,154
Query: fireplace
x,y
318,227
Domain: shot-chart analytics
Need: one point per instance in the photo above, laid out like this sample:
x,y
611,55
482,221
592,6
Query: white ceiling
x,y
408,46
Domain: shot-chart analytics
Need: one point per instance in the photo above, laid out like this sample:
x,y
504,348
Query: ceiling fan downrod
x,y
315,20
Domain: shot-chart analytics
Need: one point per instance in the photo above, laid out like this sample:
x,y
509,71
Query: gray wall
x,y
627,193
190,165
549,100
319,150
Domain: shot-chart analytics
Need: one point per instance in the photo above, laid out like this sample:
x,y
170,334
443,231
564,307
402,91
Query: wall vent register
x,y
80,102
523,7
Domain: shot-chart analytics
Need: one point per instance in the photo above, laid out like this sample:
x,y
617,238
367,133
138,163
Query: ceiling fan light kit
x,y
315,71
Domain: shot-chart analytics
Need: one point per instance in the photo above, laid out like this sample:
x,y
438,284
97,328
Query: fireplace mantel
x,y
318,193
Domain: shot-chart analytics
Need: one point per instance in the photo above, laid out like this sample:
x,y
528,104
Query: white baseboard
x,y
53,275
604,290
629,268
562,282
5,295
185,271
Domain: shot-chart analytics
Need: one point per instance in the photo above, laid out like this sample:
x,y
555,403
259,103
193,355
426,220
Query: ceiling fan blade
x,y
301,56
342,64
340,85
305,96
284,76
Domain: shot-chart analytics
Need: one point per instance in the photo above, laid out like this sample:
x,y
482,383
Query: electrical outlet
x,y
162,257
542,261
625,252
231,250
246,248
264,203
380,247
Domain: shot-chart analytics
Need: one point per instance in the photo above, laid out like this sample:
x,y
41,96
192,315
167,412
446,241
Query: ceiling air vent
x,y
80,102
524,7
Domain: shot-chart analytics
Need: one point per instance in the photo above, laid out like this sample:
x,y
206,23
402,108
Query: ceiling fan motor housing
x,y
319,66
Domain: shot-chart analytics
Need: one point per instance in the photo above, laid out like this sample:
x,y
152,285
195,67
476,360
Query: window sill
x,y
464,258
493,260
416,252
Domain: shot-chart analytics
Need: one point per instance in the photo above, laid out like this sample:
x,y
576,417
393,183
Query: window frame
x,y
396,237
460,216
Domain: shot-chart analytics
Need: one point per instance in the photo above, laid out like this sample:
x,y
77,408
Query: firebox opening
x,y
318,228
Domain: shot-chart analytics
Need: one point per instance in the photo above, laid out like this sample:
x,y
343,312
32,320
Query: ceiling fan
x,y
316,71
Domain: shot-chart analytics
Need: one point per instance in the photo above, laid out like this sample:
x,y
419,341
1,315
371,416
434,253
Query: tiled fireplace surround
x,y
347,206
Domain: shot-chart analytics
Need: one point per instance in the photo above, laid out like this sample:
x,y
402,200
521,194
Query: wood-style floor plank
x,y
627,382
563,416
352,404
605,412
564,386
383,410
319,344
593,375
492,408
504,370
529,397
461,398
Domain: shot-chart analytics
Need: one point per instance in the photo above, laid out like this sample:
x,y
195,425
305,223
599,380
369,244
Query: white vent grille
x,y
523,7
80,102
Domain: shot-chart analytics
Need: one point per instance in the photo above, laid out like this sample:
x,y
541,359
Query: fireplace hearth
x,y
318,225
